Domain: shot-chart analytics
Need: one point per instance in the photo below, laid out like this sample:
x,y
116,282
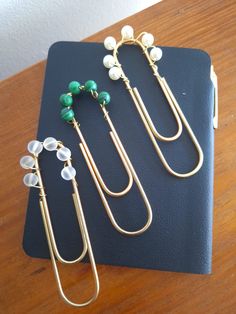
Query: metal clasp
x,y
215,83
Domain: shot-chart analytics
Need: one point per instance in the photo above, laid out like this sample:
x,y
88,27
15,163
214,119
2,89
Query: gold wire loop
x,y
157,147
156,74
49,223
174,106
98,180
100,183
53,250
94,94
95,169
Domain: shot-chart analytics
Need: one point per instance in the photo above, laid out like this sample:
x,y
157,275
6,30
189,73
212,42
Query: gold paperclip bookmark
x,y
67,114
68,173
145,41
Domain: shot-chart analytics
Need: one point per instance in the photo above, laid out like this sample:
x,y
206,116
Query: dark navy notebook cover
x,y
180,237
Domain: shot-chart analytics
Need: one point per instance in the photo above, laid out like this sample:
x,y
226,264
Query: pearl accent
x,y
63,154
147,40
27,162
50,143
68,173
35,147
115,73
110,43
156,54
108,61
30,179
127,32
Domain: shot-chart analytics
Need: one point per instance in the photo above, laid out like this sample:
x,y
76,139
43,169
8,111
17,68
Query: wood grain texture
x,y
27,285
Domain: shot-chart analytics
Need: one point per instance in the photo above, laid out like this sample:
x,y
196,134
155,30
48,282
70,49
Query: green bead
x,y
74,87
90,86
66,100
67,114
104,98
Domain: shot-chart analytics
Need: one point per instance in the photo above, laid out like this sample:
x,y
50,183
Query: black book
x,y
180,237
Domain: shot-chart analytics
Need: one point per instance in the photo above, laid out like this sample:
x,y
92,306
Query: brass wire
x,y
54,253
99,182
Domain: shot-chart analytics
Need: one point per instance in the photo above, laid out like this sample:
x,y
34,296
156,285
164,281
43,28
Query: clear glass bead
x,y
30,179
68,173
63,153
35,147
27,162
50,143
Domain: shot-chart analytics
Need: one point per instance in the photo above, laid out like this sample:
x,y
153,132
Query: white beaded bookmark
x,y
68,173
153,54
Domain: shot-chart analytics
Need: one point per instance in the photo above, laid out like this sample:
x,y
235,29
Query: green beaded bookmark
x,y
67,114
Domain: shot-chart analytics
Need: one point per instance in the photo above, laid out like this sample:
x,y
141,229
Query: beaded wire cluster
x,y
31,162
75,88
144,40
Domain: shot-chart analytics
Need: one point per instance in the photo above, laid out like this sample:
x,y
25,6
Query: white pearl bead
x,y
115,73
68,173
156,54
127,32
30,179
110,43
50,143
27,162
35,147
63,154
147,40
108,61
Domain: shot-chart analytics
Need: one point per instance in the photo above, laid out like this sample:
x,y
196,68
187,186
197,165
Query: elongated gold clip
x,y
68,173
68,115
145,41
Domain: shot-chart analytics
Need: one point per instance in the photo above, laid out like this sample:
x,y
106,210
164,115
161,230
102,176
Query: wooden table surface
x,y
27,285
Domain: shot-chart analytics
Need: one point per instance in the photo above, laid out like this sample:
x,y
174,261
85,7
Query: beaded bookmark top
x,y
153,54
68,173
75,88
67,114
